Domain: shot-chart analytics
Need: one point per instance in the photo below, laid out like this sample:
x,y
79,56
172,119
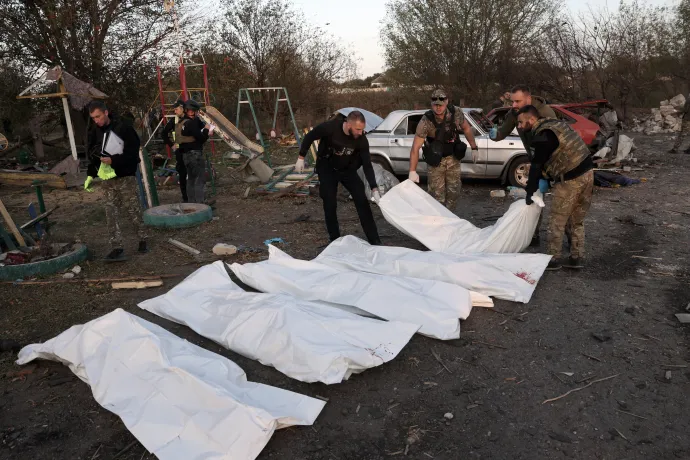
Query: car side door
x,y
400,144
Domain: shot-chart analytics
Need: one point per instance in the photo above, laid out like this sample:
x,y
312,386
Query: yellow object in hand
x,y
87,184
106,172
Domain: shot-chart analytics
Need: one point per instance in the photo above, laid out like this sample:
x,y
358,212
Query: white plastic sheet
x,y
504,276
417,214
384,179
180,401
434,305
304,340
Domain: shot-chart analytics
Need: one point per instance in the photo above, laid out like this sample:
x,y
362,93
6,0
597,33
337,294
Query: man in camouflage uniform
x,y
438,133
113,151
684,128
521,96
561,156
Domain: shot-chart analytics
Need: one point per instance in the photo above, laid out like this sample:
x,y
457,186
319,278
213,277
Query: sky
x,y
357,22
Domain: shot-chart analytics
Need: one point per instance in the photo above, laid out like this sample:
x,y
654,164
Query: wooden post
x,y
145,177
11,224
68,119
35,128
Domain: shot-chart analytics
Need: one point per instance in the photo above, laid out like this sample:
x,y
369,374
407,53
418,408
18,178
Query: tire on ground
x,y
181,215
45,267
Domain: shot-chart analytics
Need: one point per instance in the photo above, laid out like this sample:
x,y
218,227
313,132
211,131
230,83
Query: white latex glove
x,y
211,129
299,166
375,196
414,177
539,201
475,155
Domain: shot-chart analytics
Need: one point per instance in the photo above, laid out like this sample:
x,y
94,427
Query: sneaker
x,y
536,241
573,262
143,247
554,265
116,255
673,151
376,242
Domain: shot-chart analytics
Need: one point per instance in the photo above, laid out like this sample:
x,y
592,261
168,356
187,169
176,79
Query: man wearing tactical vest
x,y
562,157
170,128
438,136
521,96
190,135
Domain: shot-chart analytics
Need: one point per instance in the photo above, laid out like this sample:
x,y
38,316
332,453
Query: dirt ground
x,y
615,318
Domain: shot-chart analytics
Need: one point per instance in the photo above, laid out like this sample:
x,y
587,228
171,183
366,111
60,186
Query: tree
x,y
100,41
279,48
462,44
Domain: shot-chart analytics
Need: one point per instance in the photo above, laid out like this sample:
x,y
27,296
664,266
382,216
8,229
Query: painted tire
x,y
45,267
168,215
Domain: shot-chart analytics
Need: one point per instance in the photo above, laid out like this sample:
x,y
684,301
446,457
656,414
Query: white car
x,y
391,139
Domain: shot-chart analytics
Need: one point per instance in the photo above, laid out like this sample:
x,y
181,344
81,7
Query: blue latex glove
x,y
544,186
493,133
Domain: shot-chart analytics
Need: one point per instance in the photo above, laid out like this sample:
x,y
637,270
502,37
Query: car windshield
x,y
481,120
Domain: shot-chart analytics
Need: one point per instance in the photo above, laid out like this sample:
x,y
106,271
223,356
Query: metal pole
x,y
275,114
256,122
161,96
292,115
239,107
207,101
183,82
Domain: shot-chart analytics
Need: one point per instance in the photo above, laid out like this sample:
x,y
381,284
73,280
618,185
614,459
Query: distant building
x,y
380,82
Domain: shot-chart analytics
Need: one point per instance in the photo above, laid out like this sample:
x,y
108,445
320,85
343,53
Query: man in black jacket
x,y
190,135
113,153
170,128
343,148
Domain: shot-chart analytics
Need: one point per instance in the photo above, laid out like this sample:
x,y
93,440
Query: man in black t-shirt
x,y
343,148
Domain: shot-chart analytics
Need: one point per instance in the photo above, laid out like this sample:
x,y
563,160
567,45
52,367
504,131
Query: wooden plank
x,y
25,178
39,96
184,247
12,226
137,284
38,218
683,317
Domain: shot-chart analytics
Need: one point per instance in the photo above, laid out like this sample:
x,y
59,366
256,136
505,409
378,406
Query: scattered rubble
x,y
222,249
665,119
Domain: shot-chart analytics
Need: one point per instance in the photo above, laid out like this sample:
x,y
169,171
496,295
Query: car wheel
x,y
381,161
519,172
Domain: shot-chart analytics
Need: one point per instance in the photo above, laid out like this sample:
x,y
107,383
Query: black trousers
x,y
328,186
181,174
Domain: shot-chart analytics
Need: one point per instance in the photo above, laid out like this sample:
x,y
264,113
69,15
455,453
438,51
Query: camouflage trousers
x,y
444,182
684,130
569,206
121,199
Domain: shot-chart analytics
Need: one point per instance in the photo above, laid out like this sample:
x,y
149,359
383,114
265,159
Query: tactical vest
x,y
571,150
179,138
446,131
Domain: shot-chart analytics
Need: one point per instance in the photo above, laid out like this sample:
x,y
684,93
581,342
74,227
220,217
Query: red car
x,y
581,116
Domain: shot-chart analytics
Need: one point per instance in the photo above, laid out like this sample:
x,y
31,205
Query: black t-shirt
x,y
340,151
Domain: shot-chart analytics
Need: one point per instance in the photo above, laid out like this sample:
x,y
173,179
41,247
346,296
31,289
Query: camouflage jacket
x,y
571,151
510,122
426,128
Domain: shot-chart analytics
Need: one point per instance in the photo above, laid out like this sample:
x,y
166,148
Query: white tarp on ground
x,y
434,305
180,401
304,340
504,276
417,214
